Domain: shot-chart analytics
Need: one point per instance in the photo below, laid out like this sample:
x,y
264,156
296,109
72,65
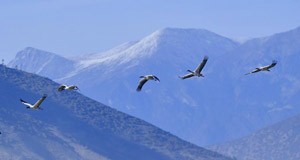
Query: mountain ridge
x,y
278,141
79,126
37,61
192,109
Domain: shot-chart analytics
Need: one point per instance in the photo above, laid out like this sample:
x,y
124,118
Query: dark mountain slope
x,y
76,127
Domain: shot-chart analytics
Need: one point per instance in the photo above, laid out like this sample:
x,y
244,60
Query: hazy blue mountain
x,y
174,105
42,63
72,126
261,99
224,105
276,142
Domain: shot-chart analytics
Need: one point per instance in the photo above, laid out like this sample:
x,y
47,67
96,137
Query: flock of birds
x,y
39,102
198,73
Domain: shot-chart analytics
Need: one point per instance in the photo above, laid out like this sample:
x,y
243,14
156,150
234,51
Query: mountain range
x,y
72,126
276,142
222,106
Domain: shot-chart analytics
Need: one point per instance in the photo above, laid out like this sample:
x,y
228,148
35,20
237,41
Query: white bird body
x,y
196,74
145,79
197,71
264,68
36,105
65,87
150,77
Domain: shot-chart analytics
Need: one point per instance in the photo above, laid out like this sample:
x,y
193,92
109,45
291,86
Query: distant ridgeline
x,y
277,142
72,126
223,105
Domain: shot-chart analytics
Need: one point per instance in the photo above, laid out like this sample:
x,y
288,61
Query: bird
x,y
264,68
145,79
36,105
198,70
65,87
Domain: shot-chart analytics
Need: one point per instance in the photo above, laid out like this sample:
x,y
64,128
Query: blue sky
x,y
70,27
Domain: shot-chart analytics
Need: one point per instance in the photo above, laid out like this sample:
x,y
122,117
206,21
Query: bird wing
x,y
254,71
61,87
272,65
25,103
142,82
201,65
38,103
73,87
187,76
156,78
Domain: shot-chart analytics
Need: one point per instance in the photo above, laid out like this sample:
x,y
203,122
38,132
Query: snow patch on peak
x,y
123,53
162,43
100,55
163,38
185,32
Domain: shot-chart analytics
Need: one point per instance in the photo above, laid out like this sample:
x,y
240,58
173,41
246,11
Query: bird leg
x,y
190,71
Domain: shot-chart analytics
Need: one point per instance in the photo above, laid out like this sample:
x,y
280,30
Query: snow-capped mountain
x,y
72,126
112,76
224,105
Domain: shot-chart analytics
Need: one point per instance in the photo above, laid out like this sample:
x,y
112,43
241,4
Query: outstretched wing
x,y
156,78
61,87
272,65
142,82
38,103
254,71
25,103
73,87
187,76
201,65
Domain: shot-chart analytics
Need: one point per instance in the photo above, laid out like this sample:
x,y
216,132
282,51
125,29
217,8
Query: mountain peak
x,y
38,61
184,30
190,40
30,51
182,33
